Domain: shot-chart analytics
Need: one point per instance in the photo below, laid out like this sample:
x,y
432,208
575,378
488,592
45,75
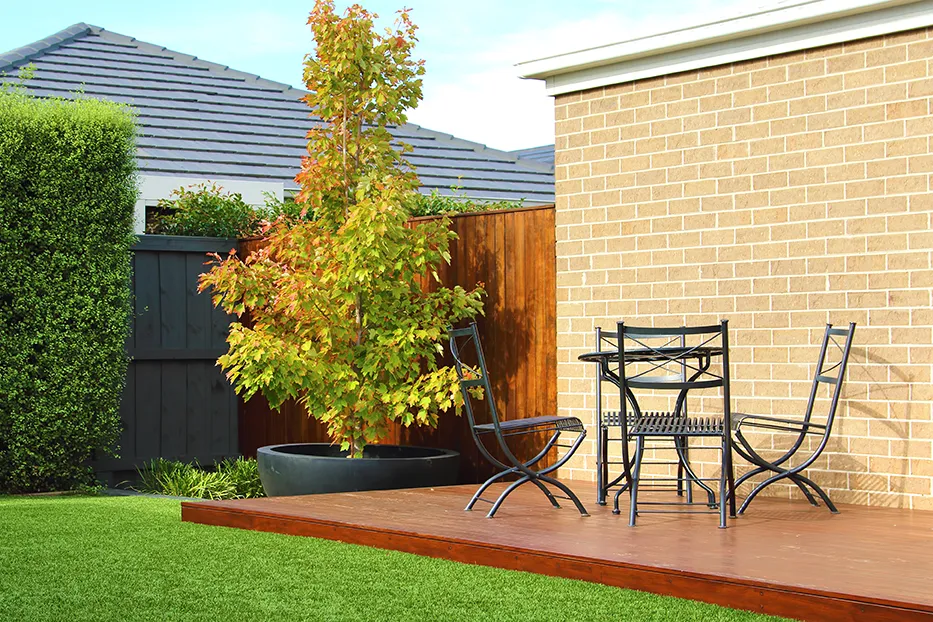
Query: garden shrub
x,y
67,193
209,210
437,204
206,210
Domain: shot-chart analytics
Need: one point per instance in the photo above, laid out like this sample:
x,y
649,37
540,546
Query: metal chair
x,y
608,421
833,374
474,384
646,358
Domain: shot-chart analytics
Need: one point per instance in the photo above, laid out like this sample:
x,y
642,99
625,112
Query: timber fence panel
x,y
176,404
512,253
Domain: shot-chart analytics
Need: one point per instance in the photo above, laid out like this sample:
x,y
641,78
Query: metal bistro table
x,y
693,361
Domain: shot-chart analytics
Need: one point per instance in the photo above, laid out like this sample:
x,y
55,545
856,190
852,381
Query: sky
x,y
470,47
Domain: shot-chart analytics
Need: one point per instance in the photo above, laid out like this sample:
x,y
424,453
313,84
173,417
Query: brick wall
x,y
780,194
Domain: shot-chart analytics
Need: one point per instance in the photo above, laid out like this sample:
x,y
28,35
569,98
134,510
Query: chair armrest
x,y
774,423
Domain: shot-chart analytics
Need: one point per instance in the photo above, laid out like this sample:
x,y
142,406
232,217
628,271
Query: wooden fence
x,y
512,253
177,403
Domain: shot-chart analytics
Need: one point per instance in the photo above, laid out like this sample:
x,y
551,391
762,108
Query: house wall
x,y
781,194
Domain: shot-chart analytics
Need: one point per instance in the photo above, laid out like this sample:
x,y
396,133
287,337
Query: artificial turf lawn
x,y
131,558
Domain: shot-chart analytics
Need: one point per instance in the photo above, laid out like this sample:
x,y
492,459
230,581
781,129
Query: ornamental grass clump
x,y
229,479
346,310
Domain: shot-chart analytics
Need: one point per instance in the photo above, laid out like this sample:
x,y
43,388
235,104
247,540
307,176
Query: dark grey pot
x,y
313,468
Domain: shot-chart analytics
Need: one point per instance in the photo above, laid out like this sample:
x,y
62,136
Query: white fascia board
x,y
777,31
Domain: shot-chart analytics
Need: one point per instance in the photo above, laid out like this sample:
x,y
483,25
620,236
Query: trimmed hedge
x,y
67,191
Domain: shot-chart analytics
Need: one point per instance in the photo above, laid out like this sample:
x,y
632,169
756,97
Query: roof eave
x,y
766,32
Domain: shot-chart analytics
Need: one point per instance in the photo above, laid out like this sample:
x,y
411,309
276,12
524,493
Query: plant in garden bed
x,y
340,316
209,210
230,479
206,210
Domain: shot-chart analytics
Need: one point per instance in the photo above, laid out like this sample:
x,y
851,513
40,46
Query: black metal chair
x,y
832,373
647,358
610,421
474,384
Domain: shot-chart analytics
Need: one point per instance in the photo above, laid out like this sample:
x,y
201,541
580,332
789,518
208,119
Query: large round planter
x,y
313,468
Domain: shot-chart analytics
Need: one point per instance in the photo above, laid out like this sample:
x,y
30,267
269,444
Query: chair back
x,y
674,358
830,371
606,341
465,344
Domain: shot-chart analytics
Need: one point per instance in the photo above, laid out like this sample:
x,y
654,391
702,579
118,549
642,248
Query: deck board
x,y
782,557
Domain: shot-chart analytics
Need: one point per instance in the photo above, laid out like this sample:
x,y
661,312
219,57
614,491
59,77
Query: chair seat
x,y
667,424
560,423
614,418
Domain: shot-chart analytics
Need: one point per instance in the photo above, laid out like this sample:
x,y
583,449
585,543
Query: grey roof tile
x,y
543,154
203,119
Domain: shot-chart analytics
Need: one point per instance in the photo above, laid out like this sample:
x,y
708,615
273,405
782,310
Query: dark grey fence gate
x,y
177,403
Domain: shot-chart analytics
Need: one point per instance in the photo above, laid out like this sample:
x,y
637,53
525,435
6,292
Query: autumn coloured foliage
x,y
339,317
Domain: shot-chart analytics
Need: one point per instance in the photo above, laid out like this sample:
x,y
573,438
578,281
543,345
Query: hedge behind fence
x,y
67,191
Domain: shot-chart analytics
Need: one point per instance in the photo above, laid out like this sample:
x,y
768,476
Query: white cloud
x,y
479,96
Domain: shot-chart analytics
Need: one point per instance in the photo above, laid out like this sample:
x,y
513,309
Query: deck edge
x,y
747,594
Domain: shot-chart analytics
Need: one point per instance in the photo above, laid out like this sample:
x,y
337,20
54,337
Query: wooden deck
x,y
782,557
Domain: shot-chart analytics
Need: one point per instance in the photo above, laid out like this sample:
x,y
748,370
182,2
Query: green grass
x,y
131,558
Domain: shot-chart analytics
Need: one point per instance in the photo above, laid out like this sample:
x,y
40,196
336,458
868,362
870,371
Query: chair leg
x,y
692,477
636,475
566,490
806,491
547,493
505,493
615,499
683,477
744,449
822,493
681,450
535,477
602,465
723,484
486,485
731,481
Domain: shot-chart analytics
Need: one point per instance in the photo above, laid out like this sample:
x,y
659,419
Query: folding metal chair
x,y
832,373
647,356
474,384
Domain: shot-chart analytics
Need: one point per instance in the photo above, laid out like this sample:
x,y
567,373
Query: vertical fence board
x,y
148,410
174,408
172,300
127,442
219,401
198,306
198,428
148,311
512,253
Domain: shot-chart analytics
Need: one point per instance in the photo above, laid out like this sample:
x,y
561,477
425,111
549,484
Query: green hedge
x,y
67,191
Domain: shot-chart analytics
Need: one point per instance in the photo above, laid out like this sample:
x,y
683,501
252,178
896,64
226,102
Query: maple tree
x,y
339,317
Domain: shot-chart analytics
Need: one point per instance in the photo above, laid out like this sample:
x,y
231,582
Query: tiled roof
x,y
201,119
543,154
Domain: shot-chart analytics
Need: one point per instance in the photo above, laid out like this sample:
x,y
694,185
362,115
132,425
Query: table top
x,y
656,354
